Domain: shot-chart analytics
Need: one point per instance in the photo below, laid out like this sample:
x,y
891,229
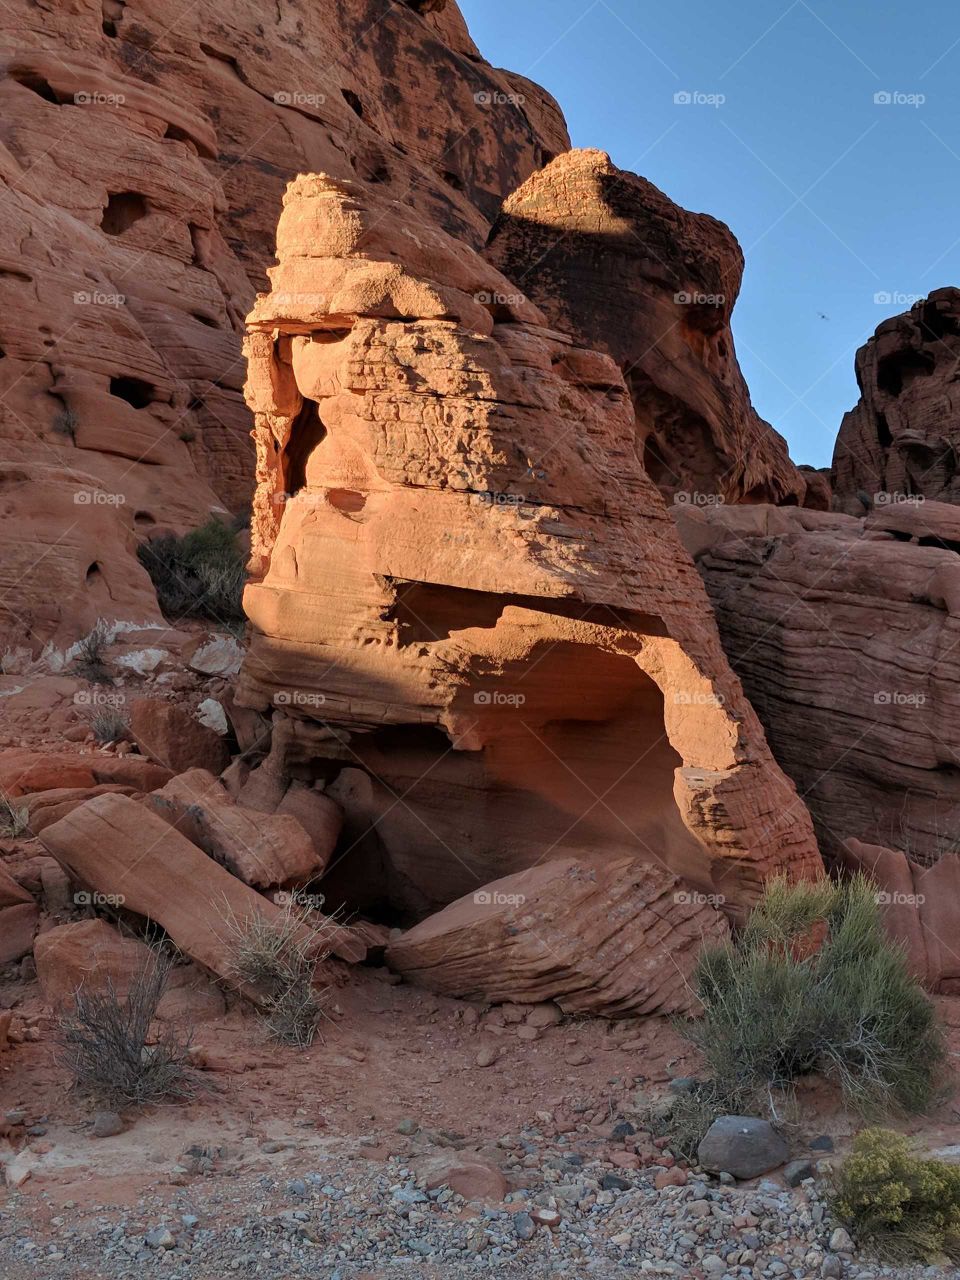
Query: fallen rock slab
x,y
169,734
19,916
117,846
616,939
743,1146
92,955
46,807
468,1175
264,850
23,772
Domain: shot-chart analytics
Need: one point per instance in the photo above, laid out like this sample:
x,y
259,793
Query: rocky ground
x,y
421,1137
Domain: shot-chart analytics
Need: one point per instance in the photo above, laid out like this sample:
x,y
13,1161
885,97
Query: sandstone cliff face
x,y
476,621
903,436
845,633
142,163
614,262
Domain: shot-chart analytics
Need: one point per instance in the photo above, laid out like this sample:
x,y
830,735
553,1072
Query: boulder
x,y
466,1174
46,807
19,916
118,847
90,954
23,772
616,939
264,850
743,1146
489,643
171,735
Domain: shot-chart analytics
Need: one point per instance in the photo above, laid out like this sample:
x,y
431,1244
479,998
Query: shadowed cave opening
x,y
123,209
573,759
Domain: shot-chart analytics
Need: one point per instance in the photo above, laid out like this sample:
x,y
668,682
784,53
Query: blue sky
x,y
846,208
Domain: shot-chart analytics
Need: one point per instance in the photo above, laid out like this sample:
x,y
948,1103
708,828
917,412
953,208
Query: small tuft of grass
x,y
279,958
901,1207
108,725
199,574
105,1044
65,423
89,662
14,818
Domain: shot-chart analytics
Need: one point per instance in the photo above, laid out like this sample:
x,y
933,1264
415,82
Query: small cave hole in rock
x,y
453,180
349,501
124,208
135,391
898,370
143,519
353,102
36,83
93,571
884,436
306,433
205,320
425,612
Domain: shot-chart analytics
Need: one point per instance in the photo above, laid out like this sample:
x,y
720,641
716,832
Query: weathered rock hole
x,y
135,391
206,320
36,83
898,370
124,208
453,180
884,435
348,501
425,613
143,518
173,133
353,102
306,433
93,571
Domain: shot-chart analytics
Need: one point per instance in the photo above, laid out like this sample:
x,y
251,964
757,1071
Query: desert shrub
x,y
65,423
900,1206
201,573
89,662
776,1005
108,725
278,957
14,818
104,1044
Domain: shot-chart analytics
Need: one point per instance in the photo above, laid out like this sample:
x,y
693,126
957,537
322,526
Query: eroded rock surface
x,y
902,439
845,633
476,621
142,161
614,262
620,939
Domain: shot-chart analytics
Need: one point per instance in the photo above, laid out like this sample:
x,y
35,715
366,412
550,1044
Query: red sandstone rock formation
x,y
846,634
621,939
476,622
903,437
616,264
142,162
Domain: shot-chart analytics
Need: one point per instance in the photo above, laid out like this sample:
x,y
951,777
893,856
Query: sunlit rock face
x,y
143,158
475,620
613,261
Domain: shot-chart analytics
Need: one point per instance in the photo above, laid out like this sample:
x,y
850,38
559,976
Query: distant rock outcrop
x,y
476,622
902,439
615,263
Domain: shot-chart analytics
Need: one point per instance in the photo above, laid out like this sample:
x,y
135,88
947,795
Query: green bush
x,y
776,1005
199,574
900,1206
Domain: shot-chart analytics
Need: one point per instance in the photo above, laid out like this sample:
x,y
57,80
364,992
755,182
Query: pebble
x,y
107,1124
487,1056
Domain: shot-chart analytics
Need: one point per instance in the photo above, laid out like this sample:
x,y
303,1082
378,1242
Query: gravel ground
x,y
359,1218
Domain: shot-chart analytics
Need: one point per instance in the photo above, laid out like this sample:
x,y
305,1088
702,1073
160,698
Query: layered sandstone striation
x,y
902,439
142,162
614,262
621,939
476,625
845,634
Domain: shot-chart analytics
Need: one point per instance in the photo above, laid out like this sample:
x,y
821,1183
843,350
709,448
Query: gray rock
x,y
795,1172
161,1238
614,1182
742,1145
683,1084
831,1268
524,1226
623,1130
822,1143
297,1188
840,1241
107,1124
407,1126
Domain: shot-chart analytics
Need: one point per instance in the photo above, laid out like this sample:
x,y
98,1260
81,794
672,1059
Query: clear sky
x,y
847,208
